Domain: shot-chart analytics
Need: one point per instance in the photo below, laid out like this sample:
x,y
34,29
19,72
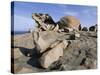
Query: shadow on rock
x,y
26,51
33,61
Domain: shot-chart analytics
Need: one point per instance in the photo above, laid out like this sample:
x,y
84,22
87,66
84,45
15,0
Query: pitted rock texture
x,y
53,54
69,22
80,53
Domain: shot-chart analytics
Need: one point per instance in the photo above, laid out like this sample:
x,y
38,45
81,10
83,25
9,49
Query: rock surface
x,y
44,39
80,53
26,42
84,29
54,47
53,55
93,28
44,21
16,53
69,22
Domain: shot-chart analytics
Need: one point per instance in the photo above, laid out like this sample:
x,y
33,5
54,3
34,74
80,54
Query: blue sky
x,y
23,13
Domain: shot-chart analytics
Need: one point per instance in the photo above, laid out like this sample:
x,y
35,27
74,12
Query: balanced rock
x,y
53,54
70,22
93,28
44,21
44,39
84,29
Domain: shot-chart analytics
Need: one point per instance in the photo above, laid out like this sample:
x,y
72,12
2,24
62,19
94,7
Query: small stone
x,y
93,28
80,27
56,28
70,29
84,29
77,35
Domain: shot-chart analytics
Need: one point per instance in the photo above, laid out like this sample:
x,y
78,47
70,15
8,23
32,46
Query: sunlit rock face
x,y
44,21
70,22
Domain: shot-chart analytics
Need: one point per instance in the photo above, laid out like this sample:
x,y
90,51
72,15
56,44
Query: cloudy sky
x,y
23,13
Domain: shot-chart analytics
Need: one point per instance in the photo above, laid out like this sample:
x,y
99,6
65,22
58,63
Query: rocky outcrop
x,y
44,21
45,39
84,29
80,53
77,35
93,28
51,48
69,22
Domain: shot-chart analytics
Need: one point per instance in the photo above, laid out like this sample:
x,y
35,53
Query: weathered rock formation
x,y
53,54
93,28
69,22
84,29
44,21
45,49
80,53
45,39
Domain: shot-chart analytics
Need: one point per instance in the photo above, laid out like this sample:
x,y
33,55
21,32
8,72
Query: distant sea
x,y
18,32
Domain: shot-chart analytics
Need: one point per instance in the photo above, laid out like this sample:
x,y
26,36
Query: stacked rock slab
x,y
53,54
50,45
45,40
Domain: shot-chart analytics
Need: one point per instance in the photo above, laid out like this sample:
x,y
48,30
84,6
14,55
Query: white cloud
x,y
71,13
89,12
